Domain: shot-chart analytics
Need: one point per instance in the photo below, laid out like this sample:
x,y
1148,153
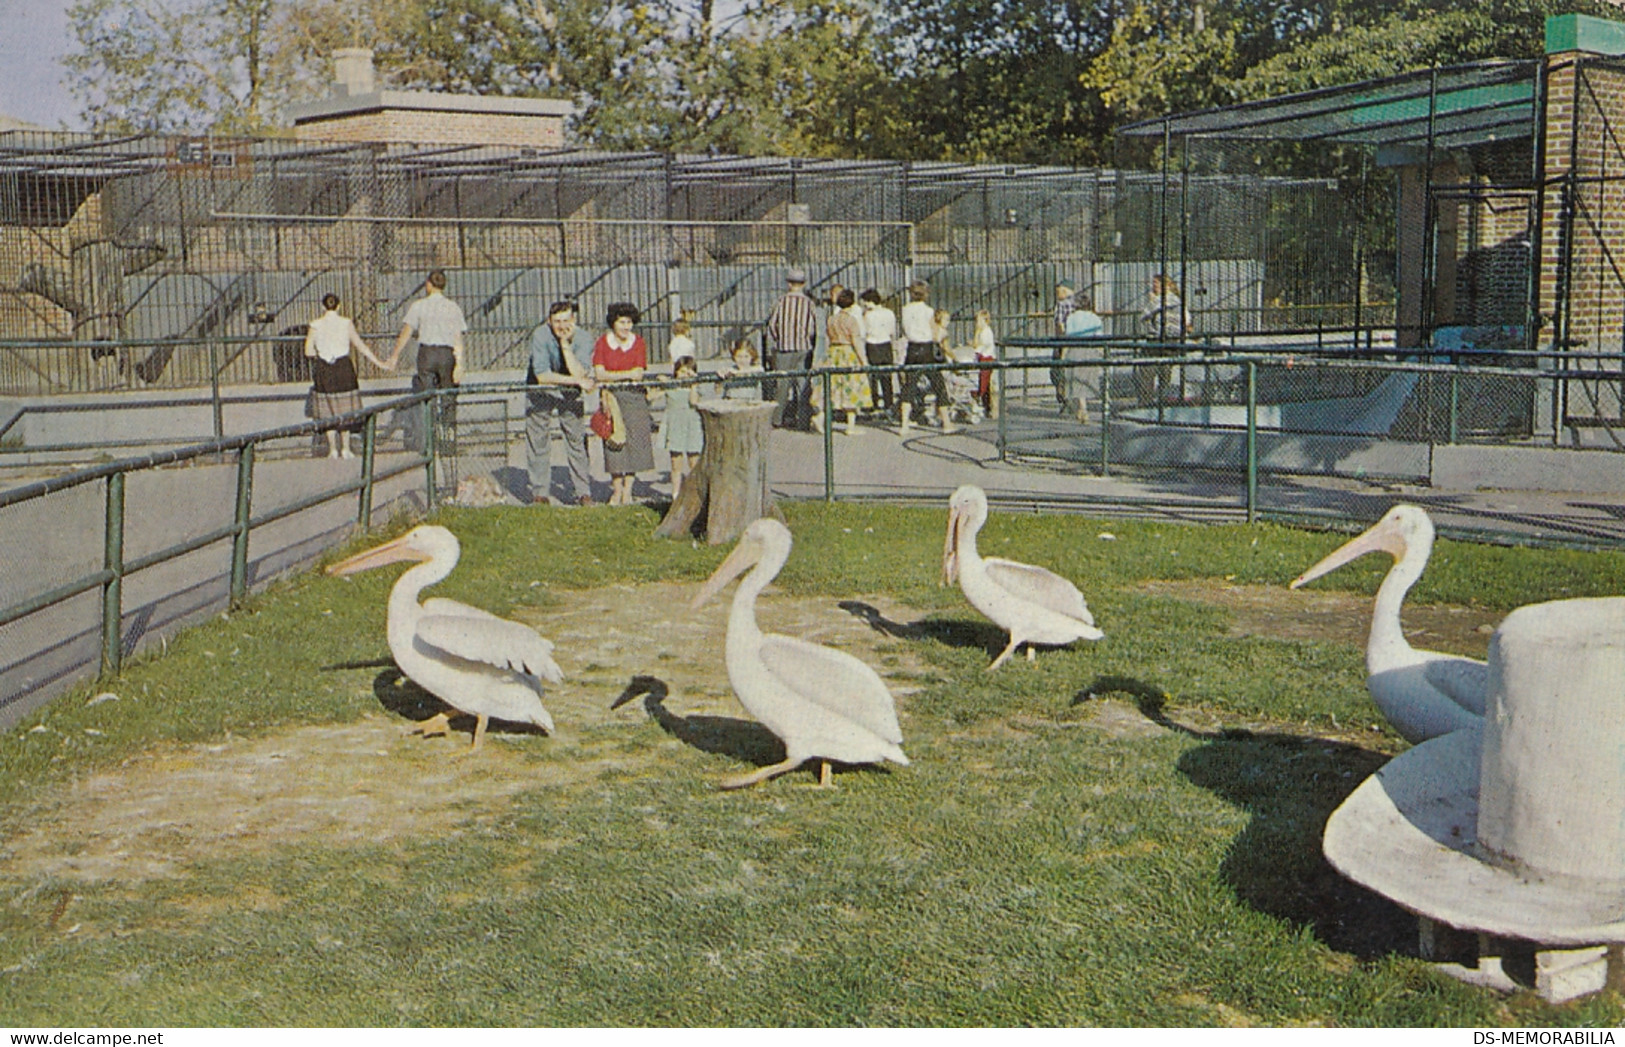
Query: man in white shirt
x,y
879,331
438,323
920,331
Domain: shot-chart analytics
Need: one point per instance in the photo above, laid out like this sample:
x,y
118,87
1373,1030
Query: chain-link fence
x,y
179,262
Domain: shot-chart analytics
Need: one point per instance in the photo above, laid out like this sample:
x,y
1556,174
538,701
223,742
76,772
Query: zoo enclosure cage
x,y
185,261
1467,214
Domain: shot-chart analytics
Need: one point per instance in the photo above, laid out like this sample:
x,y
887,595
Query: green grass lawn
x,y
1122,833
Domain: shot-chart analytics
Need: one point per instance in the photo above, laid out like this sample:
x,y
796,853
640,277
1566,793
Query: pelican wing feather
x,y
1462,680
1044,588
835,681
495,641
439,605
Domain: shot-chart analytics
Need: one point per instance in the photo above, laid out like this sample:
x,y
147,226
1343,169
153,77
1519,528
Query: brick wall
x,y
1493,237
1585,124
429,126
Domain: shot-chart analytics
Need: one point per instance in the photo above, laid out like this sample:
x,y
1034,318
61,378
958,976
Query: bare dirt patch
x,y
373,782
1279,613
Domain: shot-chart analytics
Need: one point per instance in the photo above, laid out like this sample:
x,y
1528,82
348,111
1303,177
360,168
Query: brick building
x,y
359,111
1501,185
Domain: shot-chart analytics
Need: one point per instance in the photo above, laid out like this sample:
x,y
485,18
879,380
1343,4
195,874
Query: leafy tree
x,y
1041,81
995,80
1373,41
145,66
1153,65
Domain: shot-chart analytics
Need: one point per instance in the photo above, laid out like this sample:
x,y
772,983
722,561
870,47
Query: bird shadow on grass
x,y
720,735
411,702
744,740
1289,784
951,632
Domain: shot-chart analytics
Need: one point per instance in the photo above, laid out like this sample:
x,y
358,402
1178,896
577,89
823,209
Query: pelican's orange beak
x,y
390,552
950,546
1384,537
742,559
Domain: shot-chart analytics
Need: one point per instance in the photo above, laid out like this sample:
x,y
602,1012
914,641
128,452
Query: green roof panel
x,y
1599,36
1461,105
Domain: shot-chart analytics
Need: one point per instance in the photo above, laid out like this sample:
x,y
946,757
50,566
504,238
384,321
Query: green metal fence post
x,y
113,588
829,439
1454,362
430,448
1004,432
1252,442
1105,420
239,542
214,390
369,444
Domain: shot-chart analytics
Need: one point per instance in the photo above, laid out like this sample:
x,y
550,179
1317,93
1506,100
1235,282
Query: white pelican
x,y
822,703
472,660
1422,693
1035,605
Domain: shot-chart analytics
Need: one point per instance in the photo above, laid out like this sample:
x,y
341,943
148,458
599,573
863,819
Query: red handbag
x,y
607,422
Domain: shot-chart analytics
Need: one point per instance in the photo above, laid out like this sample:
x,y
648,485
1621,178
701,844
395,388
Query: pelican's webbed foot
x,y
435,726
761,774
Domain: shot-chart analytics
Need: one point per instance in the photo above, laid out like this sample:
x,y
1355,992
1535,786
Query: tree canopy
x,y
1036,81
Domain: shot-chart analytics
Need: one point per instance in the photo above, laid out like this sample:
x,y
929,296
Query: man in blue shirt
x,y
561,370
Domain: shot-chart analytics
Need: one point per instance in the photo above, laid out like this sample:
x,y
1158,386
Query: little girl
x,y
684,437
745,367
987,348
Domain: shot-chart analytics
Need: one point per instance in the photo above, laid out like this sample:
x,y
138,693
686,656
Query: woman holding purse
x,y
619,358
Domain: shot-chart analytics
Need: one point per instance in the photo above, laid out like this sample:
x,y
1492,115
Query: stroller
x,y
964,401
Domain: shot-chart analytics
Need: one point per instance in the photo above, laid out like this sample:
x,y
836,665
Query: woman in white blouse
x,y
335,391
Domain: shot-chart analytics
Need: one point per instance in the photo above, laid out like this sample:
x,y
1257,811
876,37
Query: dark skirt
x,y
336,390
637,454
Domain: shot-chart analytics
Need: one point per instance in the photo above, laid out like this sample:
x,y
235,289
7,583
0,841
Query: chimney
x,y
353,72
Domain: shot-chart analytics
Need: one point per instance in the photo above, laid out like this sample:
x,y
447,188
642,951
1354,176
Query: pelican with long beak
x,y
822,703
1422,693
1035,605
470,659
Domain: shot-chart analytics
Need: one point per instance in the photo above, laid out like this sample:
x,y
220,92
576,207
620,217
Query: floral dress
x,y
847,392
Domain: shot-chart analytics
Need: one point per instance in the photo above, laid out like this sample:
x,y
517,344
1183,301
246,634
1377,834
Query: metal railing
x,y
1239,419
115,567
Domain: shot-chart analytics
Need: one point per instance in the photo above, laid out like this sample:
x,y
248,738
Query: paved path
x,y
928,465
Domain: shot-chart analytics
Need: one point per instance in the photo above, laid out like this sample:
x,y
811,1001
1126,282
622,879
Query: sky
x,y
36,36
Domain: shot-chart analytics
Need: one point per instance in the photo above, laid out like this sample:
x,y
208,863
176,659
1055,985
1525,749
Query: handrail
x,y
246,520
219,445
115,568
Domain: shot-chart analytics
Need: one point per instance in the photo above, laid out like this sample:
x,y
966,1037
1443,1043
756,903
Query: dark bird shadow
x,y
1289,784
743,740
1152,702
952,632
720,735
411,702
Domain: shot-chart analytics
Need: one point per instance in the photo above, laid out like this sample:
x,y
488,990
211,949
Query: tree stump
x,y
728,488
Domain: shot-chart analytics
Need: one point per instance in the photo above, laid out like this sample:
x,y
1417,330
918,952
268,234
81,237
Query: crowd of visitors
x,y
567,366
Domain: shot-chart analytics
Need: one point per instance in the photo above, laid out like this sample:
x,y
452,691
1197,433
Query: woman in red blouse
x,y
618,360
